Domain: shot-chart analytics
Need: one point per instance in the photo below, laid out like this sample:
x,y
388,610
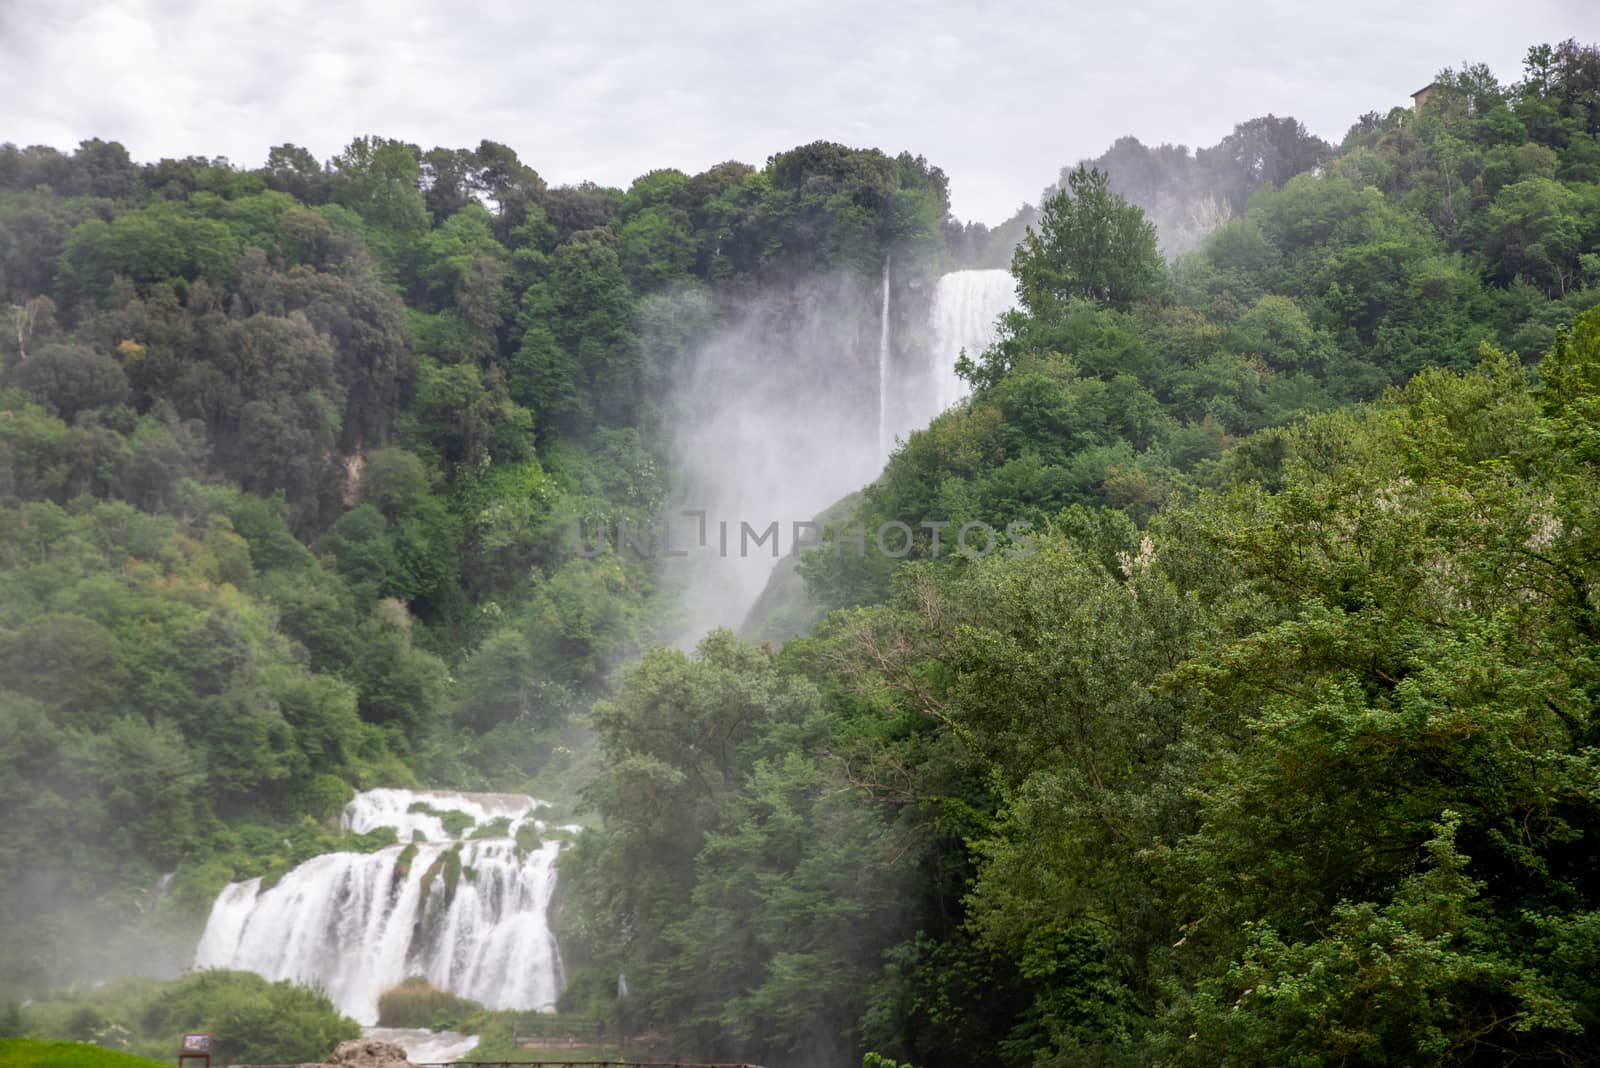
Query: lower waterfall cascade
x,y
468,911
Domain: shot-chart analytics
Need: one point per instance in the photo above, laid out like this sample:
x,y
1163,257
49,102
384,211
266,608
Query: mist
x,y
774,418
1189,194
796,401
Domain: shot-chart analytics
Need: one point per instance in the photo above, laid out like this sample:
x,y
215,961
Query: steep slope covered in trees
x,y
290,458
1274,743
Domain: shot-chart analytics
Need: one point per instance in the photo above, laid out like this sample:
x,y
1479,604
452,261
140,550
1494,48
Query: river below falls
x,y
423,1046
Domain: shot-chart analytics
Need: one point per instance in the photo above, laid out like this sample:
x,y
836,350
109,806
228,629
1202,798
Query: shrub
x,y
418,1003
455,823
255,1021
499,827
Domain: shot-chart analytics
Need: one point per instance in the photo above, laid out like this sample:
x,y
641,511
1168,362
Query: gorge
x,y
1269,735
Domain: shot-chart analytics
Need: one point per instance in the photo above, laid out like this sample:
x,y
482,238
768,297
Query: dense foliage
x,y
251,1020
417,1003
289,457
1272,741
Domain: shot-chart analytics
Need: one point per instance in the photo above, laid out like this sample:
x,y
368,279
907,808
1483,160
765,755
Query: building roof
x,y
1425,88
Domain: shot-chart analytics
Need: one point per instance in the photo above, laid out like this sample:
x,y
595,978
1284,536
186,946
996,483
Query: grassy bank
x,y
36,1053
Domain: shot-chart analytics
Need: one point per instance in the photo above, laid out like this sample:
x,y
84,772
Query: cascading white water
x,y
774,420
358,924
965,307
885,429
425,1047
962,318
413,812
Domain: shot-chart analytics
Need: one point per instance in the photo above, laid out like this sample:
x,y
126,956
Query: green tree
x,y
69,380
377,178
1090,243
255,1021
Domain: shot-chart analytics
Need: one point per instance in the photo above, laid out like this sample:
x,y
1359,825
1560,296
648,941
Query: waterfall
x,y
965,307
962,318
776,416
468,913
885,429
425,1047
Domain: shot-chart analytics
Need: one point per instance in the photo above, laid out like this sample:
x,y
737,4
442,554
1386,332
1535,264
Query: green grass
x,y
35,1053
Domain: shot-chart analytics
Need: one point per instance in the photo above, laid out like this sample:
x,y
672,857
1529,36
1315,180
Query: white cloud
x,y
1000,95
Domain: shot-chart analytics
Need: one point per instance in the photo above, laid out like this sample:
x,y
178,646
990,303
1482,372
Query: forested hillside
x,y
1275,739
1279,744
290,458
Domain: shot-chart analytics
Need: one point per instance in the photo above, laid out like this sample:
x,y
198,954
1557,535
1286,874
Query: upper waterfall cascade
x,y
468,911
798,401
963,318
885,428
966,305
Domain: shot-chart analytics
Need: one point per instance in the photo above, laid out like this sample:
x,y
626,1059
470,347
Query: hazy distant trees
x,y
1188,194
1266,151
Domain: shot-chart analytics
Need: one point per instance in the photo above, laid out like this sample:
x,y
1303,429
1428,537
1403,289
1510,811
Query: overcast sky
x,y
1000,95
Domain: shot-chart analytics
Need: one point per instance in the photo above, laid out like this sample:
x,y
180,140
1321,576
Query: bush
x,y
324,796
85,1024
255,1021
418,1003
498,827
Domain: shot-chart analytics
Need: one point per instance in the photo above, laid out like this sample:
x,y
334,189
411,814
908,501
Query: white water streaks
x,y
797,401
962,317
410,811
966,306
468,914
885,405
423,1046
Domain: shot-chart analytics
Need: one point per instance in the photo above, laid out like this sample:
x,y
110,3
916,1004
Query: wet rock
x,y
355,1053
369,1053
